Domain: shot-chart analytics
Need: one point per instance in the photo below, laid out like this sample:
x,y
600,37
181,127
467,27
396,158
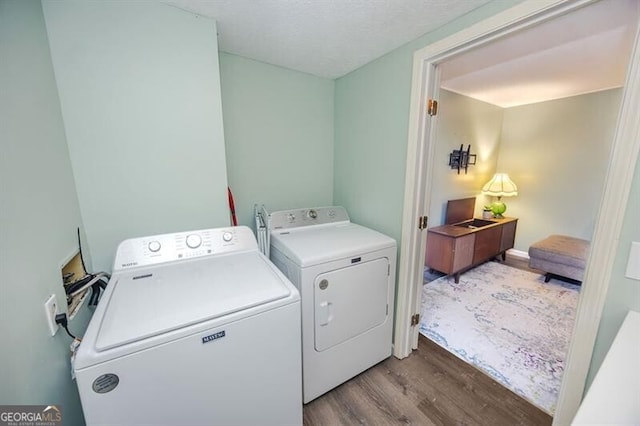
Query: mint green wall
x,y
624,293
278,134
371,124
140,94
557,152
372,105
463,120
262,113
39,214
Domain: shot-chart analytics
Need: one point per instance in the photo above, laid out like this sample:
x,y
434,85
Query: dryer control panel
x,y
163,248
296,218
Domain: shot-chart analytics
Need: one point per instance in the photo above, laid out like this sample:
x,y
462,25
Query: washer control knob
x,y
312,214
291,217
154,246
194,241
227,236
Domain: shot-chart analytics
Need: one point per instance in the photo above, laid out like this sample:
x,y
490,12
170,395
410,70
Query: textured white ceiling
x,y
327,38
581,52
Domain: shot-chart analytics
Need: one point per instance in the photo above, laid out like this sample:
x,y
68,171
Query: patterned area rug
x,y
508,323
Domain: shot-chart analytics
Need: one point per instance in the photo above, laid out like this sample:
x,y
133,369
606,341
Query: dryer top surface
x,y
313,245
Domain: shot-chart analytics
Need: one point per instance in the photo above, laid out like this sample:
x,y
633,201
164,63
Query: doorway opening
x,y
420,174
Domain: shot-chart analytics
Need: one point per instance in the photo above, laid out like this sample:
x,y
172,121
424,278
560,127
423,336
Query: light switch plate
x,y
51,309
633,264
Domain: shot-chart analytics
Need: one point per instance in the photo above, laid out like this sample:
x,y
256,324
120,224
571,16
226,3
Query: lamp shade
x,y
500,186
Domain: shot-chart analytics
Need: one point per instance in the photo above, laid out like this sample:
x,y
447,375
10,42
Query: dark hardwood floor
x,y
430,387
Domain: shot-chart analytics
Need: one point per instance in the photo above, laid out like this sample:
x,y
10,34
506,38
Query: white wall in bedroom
x,y
557,152
467,121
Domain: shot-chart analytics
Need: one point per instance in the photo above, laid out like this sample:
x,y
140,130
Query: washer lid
x,y
151,301
312,245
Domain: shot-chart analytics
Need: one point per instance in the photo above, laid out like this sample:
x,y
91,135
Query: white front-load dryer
x,y
194,328
346,277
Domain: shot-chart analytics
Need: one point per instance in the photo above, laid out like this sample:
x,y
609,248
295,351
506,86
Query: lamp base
x,y
498,208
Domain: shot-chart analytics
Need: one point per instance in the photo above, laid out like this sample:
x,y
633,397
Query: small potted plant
x,y
487,213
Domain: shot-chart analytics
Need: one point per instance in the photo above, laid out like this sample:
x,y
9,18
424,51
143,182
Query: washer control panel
x,y
163,248
306,217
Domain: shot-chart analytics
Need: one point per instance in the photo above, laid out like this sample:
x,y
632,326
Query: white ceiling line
x,y
326,38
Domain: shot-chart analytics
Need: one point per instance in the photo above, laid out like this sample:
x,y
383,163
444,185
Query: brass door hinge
x,y
423,222
432,107
415,319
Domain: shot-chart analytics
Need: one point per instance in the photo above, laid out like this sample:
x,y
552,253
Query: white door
x,y
350,301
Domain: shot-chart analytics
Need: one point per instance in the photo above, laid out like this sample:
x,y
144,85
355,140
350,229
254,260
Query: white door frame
x,y
418,181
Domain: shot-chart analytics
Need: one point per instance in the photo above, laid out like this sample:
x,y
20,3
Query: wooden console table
x,y
453,249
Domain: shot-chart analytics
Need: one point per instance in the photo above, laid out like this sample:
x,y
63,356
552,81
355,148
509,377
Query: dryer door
x,y
350,301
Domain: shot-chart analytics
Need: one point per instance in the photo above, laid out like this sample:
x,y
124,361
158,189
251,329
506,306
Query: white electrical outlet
x,y
51,309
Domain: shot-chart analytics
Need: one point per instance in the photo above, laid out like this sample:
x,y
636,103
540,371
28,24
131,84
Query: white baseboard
x,y
518,253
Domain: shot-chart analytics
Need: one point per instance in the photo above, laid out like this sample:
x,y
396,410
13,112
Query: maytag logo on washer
x,y
214,336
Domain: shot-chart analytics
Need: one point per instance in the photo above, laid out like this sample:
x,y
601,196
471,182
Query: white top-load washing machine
x,y
194,328
346,277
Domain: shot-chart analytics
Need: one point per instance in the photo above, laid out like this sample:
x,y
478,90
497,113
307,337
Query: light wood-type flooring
x,y
430,387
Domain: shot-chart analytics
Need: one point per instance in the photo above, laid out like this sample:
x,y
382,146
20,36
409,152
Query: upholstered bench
x,y
560,256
